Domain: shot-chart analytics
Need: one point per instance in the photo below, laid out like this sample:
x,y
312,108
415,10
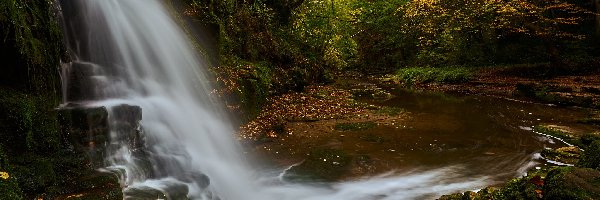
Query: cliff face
x,y
36,160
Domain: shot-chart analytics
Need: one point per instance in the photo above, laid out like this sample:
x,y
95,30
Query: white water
x,y
149,63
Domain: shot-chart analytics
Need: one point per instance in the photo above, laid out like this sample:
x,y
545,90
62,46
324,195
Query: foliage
x,y
572,183
473,32
30,28
417,75
381,45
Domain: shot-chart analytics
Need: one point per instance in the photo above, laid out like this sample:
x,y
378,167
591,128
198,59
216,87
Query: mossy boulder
x,y
572,183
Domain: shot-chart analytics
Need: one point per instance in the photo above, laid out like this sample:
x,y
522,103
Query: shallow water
x,y
487,136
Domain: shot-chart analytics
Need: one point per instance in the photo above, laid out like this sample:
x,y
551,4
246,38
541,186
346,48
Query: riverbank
x,y
532,83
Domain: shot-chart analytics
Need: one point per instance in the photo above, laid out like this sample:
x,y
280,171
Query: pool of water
x,y
487,136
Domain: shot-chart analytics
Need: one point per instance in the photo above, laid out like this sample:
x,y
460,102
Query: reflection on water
x,y
485,135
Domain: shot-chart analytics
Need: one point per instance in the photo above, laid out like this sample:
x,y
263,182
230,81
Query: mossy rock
x,y
9,187
587,139
591,156
322,165
572,183
568,155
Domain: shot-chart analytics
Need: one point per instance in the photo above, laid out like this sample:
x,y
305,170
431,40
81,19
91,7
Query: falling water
x,y
135,53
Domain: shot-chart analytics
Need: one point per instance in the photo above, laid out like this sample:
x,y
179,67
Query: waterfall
x,y
132,52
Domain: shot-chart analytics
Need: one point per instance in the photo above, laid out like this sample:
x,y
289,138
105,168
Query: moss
x,y
568,155
254,85
322,164
31,28
519,188
588,138
354,126
572,183
417,75
9,188
34,173
591,156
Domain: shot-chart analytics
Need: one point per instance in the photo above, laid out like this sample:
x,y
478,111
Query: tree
x,y
447,29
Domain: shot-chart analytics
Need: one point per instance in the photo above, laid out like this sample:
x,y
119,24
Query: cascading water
x,y
132,52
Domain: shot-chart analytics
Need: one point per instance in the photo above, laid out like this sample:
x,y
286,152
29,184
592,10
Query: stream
x,y
133,52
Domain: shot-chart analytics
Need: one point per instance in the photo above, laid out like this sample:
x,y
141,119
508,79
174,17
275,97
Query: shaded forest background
x,y
270,47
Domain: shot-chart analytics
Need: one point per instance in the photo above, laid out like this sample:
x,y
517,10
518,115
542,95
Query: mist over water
x,y
142,57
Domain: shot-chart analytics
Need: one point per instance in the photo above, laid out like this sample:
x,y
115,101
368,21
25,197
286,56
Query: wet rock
x,y
168,190
96,185
199,178
572,183
86,128
567,155
126,123
83,81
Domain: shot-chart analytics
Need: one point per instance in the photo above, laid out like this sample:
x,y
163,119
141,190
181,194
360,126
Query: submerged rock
x,y
321,164
169,190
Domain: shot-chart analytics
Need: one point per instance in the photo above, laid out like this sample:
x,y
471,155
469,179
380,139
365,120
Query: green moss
x,y
254,85
31,28
588,138
9,188
561,155
591,156
519,188
355,126
417,75
572,183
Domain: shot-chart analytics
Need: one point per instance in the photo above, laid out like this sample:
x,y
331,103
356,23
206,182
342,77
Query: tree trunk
x,y
597,5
